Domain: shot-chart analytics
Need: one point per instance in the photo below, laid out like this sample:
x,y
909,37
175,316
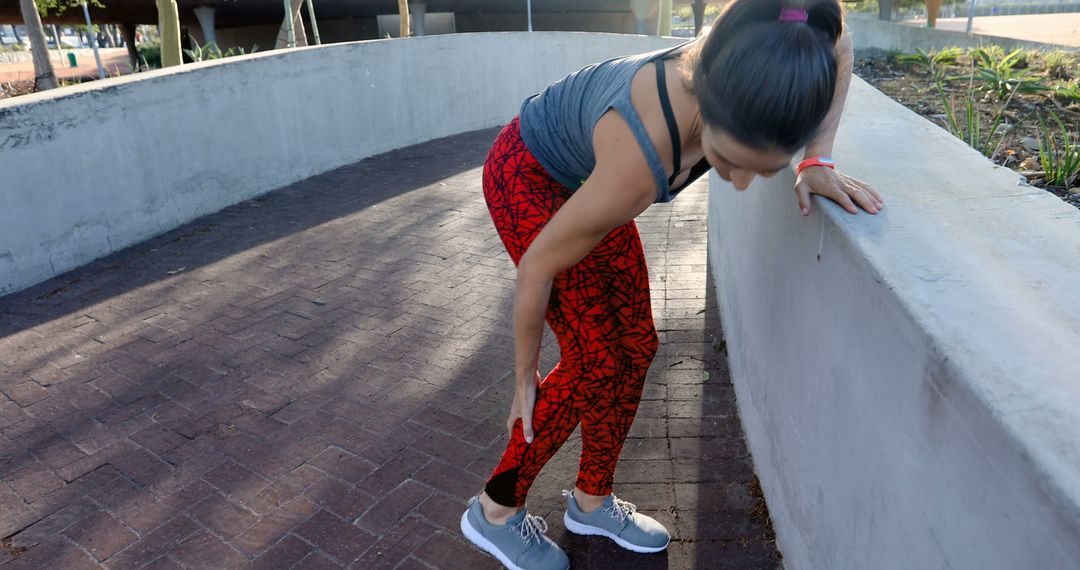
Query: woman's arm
x,y
850,193
822,145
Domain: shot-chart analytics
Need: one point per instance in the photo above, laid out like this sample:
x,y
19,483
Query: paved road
x,y
319,379
114,60
1061,29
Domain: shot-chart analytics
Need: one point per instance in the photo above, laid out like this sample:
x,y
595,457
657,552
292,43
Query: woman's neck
x,y
690,99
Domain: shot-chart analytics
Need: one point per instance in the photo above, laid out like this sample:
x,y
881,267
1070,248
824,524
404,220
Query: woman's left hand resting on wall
x,y
838,187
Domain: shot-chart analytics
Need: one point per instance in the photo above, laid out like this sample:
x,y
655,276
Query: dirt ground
x,y
913,86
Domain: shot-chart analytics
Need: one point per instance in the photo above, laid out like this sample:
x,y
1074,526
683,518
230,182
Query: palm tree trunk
x,y
44,76
403,9
933,7
128,32
298,27
169,22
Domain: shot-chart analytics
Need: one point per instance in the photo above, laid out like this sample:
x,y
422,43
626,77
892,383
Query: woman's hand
x,y
524,401
839,188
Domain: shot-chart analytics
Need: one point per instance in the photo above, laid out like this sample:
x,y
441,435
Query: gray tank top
x,y
557,124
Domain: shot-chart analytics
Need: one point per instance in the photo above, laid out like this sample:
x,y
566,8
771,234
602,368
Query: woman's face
x,y
738,163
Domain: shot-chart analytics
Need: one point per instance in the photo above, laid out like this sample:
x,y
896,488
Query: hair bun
x,y
825,15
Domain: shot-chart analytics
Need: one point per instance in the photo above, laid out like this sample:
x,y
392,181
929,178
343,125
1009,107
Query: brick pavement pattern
x,y
319,378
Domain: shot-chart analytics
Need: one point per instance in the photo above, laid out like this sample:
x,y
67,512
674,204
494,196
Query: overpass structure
x,y
243,22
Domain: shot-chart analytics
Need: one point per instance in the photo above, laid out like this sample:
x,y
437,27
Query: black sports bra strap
x,y
673,127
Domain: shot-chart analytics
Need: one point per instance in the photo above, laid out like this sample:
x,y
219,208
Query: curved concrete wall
x,y
908,382
102,166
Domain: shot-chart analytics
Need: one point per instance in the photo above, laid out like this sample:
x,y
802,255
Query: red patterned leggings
x,y
601,315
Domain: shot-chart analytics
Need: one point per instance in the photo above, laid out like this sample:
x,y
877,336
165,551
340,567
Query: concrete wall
x,y
908,381
870,32
95,168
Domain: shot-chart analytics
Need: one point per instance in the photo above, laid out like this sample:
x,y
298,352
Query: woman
x,y
563,183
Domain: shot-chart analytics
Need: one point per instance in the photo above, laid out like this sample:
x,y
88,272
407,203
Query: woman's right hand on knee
x,y
524,402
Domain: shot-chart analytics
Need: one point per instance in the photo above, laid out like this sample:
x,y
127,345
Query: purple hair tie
x,y
793,15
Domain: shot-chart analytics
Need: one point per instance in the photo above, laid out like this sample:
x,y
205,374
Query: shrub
x,y
211,50
1058,64
934,62
970,131
150,54
1061,163
999,74
1069,91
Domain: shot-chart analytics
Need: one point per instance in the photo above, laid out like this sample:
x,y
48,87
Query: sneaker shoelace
x,y
620,510
531,528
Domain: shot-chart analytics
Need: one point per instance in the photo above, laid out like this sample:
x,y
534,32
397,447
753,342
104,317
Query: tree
x,y
933,7
44,74
403,9
169,21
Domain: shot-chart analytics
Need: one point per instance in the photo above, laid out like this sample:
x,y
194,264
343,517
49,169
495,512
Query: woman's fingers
x,y
850,193
864,187
526,424
864,199
840,195
802,192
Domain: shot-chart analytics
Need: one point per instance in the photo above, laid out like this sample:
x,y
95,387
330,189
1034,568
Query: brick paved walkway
x,y
319,378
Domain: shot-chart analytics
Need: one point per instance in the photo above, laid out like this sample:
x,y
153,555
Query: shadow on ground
x,y
319,377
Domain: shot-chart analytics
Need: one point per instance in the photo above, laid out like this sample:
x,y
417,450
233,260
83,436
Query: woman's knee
x,y
642,344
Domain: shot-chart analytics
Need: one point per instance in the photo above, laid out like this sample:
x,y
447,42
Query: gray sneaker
x,y
619,521
519,544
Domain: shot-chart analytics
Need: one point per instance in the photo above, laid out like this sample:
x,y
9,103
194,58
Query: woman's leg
x,y
604,427
522,198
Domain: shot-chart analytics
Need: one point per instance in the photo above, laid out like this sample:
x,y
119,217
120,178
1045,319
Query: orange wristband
x,y
815,161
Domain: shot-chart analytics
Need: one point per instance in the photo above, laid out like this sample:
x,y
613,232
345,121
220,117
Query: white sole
x,y
581,528
484,544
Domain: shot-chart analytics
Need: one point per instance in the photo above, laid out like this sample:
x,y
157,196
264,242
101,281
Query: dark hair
x,y
769,83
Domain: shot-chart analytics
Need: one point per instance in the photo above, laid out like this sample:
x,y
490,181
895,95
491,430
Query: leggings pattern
x,y
602,317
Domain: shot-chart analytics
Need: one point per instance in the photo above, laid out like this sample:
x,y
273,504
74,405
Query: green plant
x,y
205,52
1061,163
934,62
210,51
150,54
999,74
970,131
1057,64
1069,91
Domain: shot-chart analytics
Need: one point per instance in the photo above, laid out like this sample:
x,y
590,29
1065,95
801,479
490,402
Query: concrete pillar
x,y
699,16
416,17
665,18
643,10
205,14
885,10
